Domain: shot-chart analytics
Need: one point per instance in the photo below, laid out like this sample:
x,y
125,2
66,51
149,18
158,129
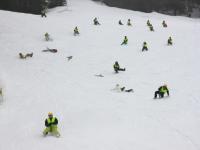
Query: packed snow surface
x,y
92,116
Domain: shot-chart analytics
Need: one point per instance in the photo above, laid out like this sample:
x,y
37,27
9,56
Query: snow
x,y
91,115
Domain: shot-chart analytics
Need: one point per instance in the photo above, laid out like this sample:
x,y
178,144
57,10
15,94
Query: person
x,y
164,24
148,23
51,125
120,22
1,92
129,22
125,42
151,27
43,13
118,88
52,50
21,56
96,22
145,46
117,67
47,36
161,91
76,32
169,41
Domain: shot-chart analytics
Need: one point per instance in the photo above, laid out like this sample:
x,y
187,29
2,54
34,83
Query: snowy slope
x,y
91,116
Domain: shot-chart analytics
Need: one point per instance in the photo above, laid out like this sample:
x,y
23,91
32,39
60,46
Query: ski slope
x,y
92,116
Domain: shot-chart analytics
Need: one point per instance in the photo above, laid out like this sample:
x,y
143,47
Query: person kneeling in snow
x,y
125,41
169,41
118,88
117,67
51,125
161,92
96,22
76,32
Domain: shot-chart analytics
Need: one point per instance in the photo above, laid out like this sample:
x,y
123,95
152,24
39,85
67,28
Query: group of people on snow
x,y
51,122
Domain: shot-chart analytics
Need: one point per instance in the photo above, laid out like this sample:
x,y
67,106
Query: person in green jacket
x,y
169,41
51,125
96,22
162,90
145,46
164,24
47,36
129,22
76,32
151,27
148,23
117,67
125,41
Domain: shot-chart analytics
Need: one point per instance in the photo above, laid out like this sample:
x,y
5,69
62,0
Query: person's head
x,y
129,19
116,62
165,85
50,115
125,37
145,43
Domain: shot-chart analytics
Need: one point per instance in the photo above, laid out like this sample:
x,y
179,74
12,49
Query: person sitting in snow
x,y
96,22
22,56
148,23
76,32
169,41
125,41
47,36
120,22
129,22
1,92
117,67
118,88
145,46
51,125
162,90
43,13
151,27
164,24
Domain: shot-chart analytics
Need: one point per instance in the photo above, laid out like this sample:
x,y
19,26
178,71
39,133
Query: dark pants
x,y
119,69
43,15
169,43
144,48
129,90
158,94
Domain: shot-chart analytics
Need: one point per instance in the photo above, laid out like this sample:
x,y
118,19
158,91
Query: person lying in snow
x,y
22,56
118,88
50,50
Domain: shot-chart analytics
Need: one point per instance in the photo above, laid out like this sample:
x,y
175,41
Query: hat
x,y
50,114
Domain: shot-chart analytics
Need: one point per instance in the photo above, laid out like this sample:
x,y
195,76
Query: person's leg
x,y
161,94
129,90
55,130
121,69
156,94
46,130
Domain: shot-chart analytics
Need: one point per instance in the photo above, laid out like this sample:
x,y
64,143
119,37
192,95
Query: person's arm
x,y
167,92
56,121
47,124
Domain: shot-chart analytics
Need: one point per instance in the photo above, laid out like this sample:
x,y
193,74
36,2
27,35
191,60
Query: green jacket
x,y
51,121
163,89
